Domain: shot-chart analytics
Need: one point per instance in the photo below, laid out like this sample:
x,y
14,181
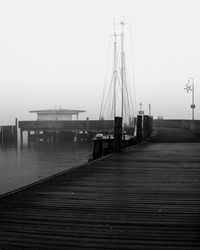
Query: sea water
x,y
22,166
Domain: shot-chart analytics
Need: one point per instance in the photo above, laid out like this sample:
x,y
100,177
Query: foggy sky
x,y
54,53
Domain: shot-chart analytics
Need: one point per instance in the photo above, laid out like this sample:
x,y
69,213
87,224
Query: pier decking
x,y
147,197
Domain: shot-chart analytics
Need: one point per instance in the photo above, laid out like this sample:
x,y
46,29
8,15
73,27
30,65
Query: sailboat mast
x,y
115,70
122,68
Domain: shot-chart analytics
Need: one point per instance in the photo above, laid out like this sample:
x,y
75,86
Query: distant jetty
x,y
8,133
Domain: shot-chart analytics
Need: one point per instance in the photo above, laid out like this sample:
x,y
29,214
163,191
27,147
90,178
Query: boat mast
x,y
115,70
122,68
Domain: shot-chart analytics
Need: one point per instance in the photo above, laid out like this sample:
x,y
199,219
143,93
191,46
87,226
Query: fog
x,y
54,53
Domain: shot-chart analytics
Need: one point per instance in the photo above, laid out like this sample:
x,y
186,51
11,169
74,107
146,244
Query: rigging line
x,y
132,56
106,74
124,93
109,100
111,115
117,88
109,105
108,94
126,85
117,94
129,94
131,98
127,90
127,105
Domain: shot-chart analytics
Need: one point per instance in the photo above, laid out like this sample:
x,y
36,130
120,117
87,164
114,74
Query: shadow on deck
x,y
147,197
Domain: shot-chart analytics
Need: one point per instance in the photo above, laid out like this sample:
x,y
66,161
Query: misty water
x,y
22,166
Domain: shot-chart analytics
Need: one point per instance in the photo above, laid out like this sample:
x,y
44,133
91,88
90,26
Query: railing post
x,y
118,135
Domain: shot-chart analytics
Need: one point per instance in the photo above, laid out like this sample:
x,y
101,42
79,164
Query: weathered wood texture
x,y
147,197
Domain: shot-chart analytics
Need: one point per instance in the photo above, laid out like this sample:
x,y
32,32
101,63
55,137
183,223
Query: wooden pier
x,y
147,197
8,133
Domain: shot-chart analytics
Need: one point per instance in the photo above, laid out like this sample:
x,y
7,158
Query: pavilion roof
x,y
60,111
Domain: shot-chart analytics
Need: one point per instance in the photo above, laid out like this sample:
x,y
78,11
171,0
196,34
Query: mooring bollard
x,y
97,148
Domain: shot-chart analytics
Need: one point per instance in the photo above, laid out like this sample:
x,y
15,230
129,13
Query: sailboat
x,y
117,97
116,101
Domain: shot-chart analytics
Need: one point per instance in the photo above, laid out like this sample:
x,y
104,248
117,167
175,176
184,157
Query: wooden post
x,y
29,133
21,137
35,135
110,145
87,125
2,135
118,135
97,149
16,126
146,127
139,128
150,125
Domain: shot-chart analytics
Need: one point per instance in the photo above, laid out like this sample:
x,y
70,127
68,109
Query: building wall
x,y
54,117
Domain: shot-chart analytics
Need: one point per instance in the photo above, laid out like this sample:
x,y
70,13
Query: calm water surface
x,y
20,167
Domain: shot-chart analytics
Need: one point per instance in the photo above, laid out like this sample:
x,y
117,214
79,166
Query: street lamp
x,y
190,87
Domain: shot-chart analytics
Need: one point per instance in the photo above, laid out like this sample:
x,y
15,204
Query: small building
x,y
56,114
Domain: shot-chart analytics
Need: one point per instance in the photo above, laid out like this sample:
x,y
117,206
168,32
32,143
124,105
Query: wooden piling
x,y
2,135
29,137
139,128
21,137
15,130
97,149
146,126
118,135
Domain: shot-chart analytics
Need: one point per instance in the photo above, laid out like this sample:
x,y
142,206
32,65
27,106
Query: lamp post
x,y
190,87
